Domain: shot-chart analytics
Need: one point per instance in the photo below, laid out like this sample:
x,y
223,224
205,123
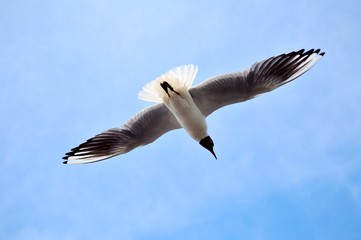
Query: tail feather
x,y
180,77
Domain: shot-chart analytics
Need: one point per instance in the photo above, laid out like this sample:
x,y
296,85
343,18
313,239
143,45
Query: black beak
x,y
207,143
211,150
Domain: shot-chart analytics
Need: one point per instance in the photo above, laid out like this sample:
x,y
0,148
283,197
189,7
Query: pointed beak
x,y
207,143
211,150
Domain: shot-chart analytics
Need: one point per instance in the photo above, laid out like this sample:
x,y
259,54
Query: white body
x,y
181,105
187,113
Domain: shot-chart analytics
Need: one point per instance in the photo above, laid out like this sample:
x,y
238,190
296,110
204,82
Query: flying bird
x,y
179,105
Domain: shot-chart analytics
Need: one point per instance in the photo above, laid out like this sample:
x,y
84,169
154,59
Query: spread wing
x,y
142,129
262,77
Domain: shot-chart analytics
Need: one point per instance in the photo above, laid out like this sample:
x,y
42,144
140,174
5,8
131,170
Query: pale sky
x,y
289,161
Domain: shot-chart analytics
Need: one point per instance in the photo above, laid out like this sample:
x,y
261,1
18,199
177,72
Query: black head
x,y
207,143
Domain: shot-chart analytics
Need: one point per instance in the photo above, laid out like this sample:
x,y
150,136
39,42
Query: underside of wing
x,y
262,77
142,129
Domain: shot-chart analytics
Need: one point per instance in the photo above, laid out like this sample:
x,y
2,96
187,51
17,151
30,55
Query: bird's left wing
x,y
262,77
142,129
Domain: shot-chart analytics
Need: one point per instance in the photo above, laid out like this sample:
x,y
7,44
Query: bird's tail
x,y
179,78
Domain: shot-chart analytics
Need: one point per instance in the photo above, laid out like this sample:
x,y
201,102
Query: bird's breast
x,y
187,114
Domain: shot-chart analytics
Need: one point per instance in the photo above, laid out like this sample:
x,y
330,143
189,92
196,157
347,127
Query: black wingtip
x,y
309,52
66,159
299,52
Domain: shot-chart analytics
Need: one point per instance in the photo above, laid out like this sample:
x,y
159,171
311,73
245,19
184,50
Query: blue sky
x,y
289,161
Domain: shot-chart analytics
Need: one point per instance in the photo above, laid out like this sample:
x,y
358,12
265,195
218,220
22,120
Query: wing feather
x,y
262,77
142,129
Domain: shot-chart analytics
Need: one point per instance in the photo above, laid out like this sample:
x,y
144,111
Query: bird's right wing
x,y
142,129
262,77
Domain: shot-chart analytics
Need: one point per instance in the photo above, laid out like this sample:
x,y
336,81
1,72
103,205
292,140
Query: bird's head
x,y
207,143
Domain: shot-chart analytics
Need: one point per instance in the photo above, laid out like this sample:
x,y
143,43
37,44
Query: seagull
x,y
179,105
